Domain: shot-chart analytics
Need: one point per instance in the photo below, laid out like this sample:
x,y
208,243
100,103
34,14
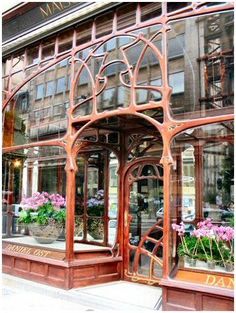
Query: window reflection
x,y
202,196
146,207
26,172
218,166
203,176
188,184
202,49
38,110
96,198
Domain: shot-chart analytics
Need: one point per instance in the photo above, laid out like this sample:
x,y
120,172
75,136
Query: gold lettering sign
x,y
219,281
54,7
35,251
212,279
25,250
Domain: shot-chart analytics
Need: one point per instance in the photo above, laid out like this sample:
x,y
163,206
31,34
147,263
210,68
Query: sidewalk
x,y
20,295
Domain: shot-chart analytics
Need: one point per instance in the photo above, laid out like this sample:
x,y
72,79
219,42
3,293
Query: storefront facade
x,y
125,111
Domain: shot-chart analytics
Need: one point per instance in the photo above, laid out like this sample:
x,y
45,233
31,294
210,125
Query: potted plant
x,y
96,209
188,245
225,239
206,241
209,243
45,216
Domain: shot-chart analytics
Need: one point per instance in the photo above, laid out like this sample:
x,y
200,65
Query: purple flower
x,y
97,200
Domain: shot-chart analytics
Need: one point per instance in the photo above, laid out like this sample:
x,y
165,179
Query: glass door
x,y
144,224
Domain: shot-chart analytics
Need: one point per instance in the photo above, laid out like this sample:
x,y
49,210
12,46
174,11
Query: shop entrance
x,y
143,233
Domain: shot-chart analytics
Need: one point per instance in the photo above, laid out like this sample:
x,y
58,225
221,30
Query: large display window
x,y
203,201
34,196
96,204
200,66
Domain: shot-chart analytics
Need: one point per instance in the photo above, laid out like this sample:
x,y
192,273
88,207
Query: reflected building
x,y
125,109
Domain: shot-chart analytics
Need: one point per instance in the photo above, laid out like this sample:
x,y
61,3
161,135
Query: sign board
x,y
41,13
208,279
36,251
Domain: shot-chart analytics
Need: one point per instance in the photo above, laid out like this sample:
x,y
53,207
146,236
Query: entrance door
x,y
144,223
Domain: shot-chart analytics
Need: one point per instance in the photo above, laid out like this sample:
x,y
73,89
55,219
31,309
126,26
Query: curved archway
x,y
126,134
143,211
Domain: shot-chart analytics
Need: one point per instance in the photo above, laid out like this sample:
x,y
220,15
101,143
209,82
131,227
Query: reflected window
x,y
60,84
176,46
202,196
200,53
49,88
176,81
188,184
39,91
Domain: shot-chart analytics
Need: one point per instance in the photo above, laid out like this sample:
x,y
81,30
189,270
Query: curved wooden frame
x,y
168,129
128,181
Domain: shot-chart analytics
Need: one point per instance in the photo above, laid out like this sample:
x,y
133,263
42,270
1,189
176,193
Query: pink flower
x,y
38,199
179,228
224,233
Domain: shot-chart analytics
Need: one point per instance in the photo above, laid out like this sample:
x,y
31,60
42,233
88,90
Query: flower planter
x,y
78,229
187,259
211,265
192,262
229,267
96,229
45,233
45,216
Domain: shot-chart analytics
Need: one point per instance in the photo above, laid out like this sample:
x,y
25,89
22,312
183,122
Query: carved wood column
x,y
166,219
71,169
122,199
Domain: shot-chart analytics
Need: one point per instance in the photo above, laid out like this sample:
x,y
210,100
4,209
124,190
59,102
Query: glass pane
x,y
79,228
84,32
131,260
148,170
112,231
188,184
202,194
147,146
79,193
65,41
157,270
104,24
201,65
33,196
95,229
48,49
126,15
150,10
218,183
18,62
38,110
33,55
144,265
113,186
146,207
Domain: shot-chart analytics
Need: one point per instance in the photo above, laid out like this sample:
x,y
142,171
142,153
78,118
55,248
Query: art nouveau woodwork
x,y
72,271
